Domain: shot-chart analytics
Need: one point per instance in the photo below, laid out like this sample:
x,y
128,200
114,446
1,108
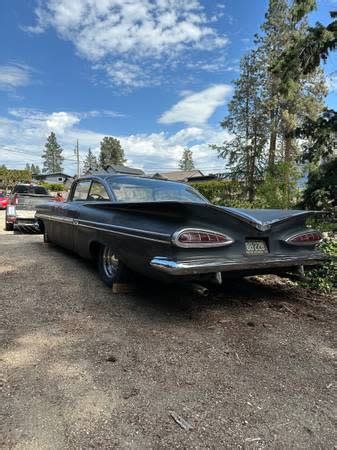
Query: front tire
x,y
109,266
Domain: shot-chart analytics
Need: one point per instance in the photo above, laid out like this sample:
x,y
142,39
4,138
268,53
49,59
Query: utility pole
x,y
77,154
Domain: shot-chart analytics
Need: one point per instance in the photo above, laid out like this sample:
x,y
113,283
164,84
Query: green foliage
x,y
319,136
111,152
246,122
58,187
276,188
186,162
9,177
321,190
223,192
52,155
324,278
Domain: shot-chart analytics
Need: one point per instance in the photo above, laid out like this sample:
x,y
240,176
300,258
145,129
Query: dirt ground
x,y
252,366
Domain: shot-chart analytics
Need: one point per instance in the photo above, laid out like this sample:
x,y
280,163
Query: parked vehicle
x,y
4,199
23,200
167,230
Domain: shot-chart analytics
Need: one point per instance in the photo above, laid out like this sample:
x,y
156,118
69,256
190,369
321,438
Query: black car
x,y
167,230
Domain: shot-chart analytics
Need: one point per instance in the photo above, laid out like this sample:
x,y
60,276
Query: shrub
x,y
59,187
223,192
324,278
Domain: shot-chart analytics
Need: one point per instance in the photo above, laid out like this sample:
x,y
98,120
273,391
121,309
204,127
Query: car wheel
x,y
109,266
9,226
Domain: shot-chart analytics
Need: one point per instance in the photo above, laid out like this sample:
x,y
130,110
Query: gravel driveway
x,y
250,367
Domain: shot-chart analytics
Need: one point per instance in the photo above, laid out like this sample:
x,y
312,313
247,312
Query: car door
x,y
89,216
68,214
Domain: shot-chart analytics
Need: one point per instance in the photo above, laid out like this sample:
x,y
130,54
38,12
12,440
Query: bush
x,y
321,190
58,187
324,278
223,192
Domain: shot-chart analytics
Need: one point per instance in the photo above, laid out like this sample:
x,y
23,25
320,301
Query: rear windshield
x,y
25,189
128,189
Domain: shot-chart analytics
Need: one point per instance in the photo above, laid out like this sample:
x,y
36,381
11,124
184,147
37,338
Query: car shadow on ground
x,y
179,301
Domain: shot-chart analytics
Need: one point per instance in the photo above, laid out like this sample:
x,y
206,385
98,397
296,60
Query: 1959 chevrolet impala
x,y
167,230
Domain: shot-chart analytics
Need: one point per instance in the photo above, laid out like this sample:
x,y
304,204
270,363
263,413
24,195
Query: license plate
x,y
256,247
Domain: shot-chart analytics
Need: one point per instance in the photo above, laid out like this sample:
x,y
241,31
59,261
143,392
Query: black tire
x,y
109,266
9,226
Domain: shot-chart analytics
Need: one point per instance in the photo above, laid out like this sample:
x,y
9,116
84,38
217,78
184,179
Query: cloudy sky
x,y
157,74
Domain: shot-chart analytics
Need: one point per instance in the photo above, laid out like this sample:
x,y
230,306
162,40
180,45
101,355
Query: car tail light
x,y
14,200
310,237
200,238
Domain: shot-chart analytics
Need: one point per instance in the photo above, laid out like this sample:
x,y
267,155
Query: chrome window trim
x,y
176,235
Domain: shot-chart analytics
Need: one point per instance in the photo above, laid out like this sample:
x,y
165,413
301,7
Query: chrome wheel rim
x,y
110,262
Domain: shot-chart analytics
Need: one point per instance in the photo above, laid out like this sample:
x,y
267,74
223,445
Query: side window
x,y
81,191
98,192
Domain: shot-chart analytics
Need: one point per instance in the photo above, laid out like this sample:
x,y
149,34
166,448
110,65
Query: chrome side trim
x,y
55,218
175,238
108,228
208,265
124,234
303,244
120,227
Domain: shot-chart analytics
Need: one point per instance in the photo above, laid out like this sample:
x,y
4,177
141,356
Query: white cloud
x,y
14,75
119,35
197,108
23,137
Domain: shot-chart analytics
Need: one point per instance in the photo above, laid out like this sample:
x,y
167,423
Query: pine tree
x,y
111,152
52,155
246,122
90,162
260,101
271,43
186,162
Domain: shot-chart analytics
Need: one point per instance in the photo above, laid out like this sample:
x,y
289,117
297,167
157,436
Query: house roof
x,y
58,174
115,168
179,175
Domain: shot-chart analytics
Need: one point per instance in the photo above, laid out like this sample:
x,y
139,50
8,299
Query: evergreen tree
x,y
52,155
35,169
111,152
246,122
261,101
186,162
270,45
90,162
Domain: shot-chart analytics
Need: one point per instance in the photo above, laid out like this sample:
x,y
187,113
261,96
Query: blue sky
x,y
156,74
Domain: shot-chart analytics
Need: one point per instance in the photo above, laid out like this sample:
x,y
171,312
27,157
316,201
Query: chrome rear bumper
x,y
209,265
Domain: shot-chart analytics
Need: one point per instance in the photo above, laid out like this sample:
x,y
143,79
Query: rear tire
x,y
109,266
9,226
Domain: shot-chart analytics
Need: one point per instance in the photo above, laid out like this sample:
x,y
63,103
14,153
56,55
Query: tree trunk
x,y
272,143
288,154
